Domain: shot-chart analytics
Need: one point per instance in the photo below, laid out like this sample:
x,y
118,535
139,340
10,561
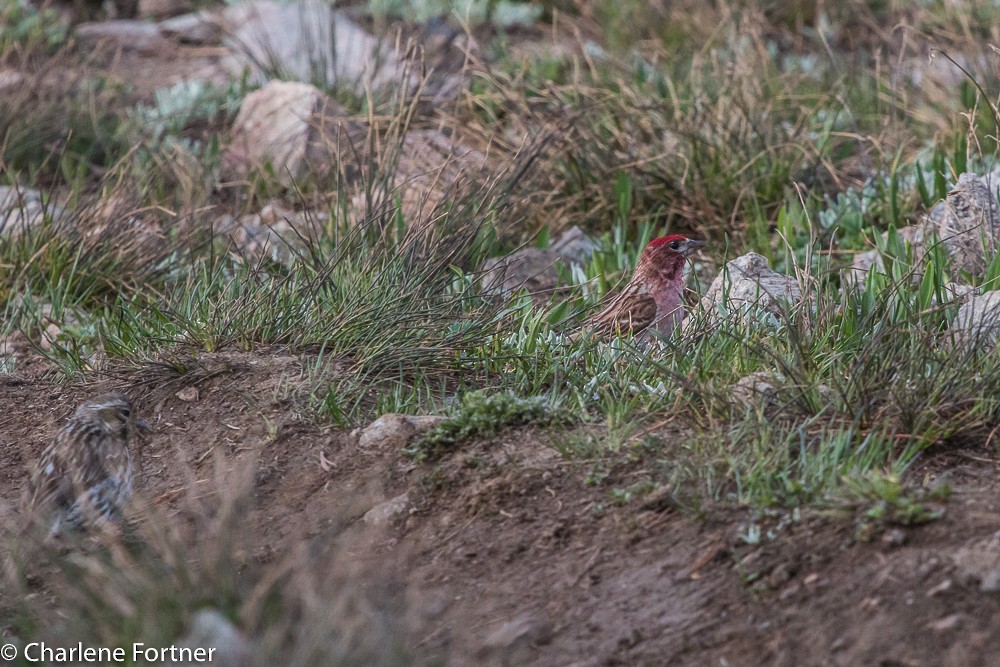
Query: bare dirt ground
x,y
505,556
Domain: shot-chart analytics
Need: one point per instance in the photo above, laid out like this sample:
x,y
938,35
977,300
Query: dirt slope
x,y
505,556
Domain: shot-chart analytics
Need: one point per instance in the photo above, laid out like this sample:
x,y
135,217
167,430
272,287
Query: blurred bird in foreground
x,y
85,474
653,301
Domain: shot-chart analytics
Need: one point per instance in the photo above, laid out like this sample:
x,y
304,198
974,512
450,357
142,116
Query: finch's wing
x,y
633,310
50,483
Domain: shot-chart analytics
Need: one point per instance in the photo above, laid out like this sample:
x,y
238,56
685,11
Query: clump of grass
x,y
480,415
884,500
292,604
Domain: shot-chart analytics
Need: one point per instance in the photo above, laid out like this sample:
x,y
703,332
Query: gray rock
x,y
21,209
872,259
747,286
195,28
133,35
515,642
760,388
306,40
968,223
534,269
395,430
384,512
573,245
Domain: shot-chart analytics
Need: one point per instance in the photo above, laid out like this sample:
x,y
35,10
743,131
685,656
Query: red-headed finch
x,y
653,301
85,474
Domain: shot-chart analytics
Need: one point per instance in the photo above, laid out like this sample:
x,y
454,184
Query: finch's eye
x,y
674,245
126,412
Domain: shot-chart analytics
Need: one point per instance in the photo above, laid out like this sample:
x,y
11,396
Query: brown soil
x,y
507,557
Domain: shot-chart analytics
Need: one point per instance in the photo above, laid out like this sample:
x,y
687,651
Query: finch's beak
x,y
143,425
691,245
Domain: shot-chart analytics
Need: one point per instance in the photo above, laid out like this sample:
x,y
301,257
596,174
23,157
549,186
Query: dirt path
x,y
505,556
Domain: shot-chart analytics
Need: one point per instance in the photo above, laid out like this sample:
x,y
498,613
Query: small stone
x,y
977,561
864,262
14,344
383,512
968,223
395,430
574,246
188,394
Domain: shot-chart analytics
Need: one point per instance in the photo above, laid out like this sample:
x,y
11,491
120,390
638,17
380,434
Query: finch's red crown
x,y
667,240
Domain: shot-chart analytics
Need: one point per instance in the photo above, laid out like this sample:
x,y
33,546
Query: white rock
x,y
396,430
978,320
10,78
306,40
210,629
747,285
195,28
293,127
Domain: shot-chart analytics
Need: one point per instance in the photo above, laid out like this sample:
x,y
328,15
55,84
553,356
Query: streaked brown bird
x,y
85,474
653,300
